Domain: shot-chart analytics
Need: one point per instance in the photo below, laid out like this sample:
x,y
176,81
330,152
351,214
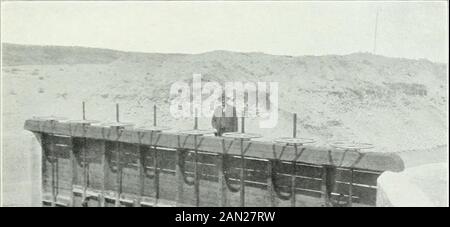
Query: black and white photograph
x,y
224,104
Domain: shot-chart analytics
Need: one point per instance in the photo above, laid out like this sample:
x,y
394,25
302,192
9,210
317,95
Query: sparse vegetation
x,y
62,95
334,123
335,94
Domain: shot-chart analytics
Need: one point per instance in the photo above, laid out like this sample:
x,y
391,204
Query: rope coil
x,y
182,164
227,178
276,187
143,158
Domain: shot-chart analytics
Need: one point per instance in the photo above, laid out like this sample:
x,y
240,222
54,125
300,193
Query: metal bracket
x,y
356,146
289,141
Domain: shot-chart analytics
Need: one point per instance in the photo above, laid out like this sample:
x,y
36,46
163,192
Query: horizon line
x,y
219,50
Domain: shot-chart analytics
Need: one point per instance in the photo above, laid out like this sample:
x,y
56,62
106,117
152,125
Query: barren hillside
x,y
396,104
390,102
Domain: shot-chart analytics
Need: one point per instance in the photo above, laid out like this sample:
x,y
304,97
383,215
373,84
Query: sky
x,y
404,29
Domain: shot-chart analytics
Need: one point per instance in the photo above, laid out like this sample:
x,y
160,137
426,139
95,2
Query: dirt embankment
x,y
396,104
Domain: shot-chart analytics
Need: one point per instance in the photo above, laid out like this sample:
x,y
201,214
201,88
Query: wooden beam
x,y
266,150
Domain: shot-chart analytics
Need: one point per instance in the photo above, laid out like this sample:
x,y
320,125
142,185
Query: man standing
x,y
224,118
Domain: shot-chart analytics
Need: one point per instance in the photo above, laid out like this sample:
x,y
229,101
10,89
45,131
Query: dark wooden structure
x,y
87,165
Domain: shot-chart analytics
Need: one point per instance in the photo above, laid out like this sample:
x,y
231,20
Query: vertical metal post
x,y
85,168
178,172
245,103
257,101
328,182
324,185
270,185
83,156
84,111
350,189
43,164
294,128
117,112
156,170
196,174
242,195
105,169
222,194
119,174
118,162
44,158
72,172
293,182
154,115
243,124
141,168
195,120
52,162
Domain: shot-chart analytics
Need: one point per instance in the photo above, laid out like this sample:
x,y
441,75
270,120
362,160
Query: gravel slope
x,y
396,104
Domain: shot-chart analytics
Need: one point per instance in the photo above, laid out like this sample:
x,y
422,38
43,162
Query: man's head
x,y
227,99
